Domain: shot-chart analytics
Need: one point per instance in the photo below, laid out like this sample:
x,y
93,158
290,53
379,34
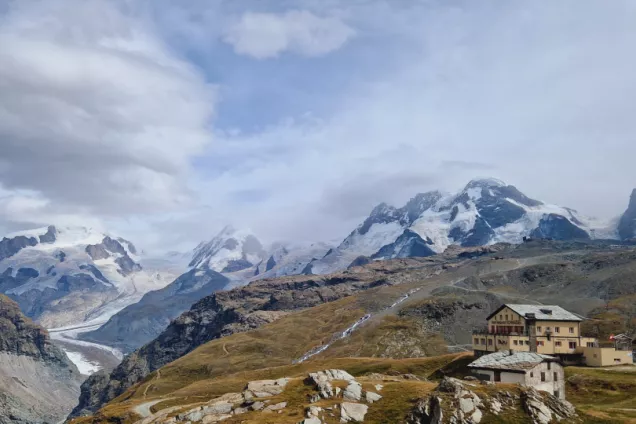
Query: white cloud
x,y
267,35
95,113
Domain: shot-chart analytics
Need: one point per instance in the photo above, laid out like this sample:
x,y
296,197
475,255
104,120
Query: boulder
x,y
267,388
313,411
276,406
353,391
372,397
352,412
311,420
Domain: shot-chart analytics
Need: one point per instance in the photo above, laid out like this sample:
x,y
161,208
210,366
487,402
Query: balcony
x,y
485,331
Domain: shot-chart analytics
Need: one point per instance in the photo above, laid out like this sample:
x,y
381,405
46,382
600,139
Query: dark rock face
x,y
359,261
409,244
109,247
9,247
131,247
558,227
221,314
96,272
627,223
97,251
49,236
141,322
126,265
20,336
271,263
381,214
113,246
237,265
42,369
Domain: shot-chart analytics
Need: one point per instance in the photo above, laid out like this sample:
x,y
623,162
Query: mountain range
x,y
66,276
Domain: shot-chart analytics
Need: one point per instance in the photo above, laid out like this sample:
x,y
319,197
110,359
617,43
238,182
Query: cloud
x,y
95,113
267,35
107,110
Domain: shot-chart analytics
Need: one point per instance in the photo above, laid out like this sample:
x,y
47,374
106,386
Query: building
x,y
547,330
543,372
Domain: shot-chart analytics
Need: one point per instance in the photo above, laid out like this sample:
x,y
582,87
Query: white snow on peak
x,y
228,245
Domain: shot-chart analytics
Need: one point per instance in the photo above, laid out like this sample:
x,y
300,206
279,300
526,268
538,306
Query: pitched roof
x,y
541,312
516,361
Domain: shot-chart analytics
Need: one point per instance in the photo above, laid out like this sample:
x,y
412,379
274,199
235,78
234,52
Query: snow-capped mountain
x,y
68,275
240,255
627,223
486,211
290,259
229,251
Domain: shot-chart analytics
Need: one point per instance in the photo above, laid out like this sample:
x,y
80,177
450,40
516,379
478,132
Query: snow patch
x,y
84,366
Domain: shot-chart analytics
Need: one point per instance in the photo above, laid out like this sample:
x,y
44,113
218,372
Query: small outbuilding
x,y
543,372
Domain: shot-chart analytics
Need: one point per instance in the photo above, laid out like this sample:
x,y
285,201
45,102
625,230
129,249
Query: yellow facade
x,y
508,330
606,356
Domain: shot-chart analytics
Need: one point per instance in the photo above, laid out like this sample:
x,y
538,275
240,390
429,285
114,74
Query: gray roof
x,y
541,312
515,361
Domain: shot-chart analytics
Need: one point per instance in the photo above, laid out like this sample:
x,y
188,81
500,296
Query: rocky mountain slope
x,y
38,383
397,308
141,322
486,211
65,276
627,223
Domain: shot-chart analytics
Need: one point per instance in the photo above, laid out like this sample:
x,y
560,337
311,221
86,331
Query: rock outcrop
x,y
454,401
38,383
264,397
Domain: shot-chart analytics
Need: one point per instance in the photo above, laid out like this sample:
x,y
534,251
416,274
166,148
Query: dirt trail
x,y
157,377
144,409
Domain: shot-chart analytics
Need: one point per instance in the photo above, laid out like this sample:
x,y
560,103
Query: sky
x,y
163,121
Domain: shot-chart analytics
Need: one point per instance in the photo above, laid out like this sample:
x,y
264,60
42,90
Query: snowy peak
x,y
627,223
231,250
65,275
485,211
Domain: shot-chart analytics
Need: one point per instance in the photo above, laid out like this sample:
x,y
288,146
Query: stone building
x,y
544,329
543,372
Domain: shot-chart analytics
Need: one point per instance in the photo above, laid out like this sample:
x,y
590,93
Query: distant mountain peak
x,y
485,183
230,250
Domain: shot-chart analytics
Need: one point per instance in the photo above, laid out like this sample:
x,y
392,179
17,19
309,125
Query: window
x,y
595,355
617,360
476,341
590,344
538,329
572,345
500,317
531,374
489,342
516,342
543,377
556,377
483,341
540,343
556,393
506,317
571,330
557,329
557,344
549,366
527,342
548,329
